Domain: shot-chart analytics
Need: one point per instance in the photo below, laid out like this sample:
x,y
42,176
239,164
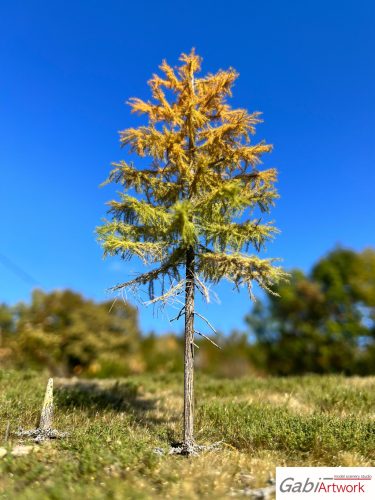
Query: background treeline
x,y
323,322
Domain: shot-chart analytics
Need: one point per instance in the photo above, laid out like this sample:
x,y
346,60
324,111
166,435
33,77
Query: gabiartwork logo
x,y
298,483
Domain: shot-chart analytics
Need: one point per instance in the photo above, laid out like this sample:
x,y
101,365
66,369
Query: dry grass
x,y
115,427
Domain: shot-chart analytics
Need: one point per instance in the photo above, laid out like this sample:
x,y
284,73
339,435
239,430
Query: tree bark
x,y
189,351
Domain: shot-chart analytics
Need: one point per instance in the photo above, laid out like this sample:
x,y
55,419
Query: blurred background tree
x,y
69,334
323,322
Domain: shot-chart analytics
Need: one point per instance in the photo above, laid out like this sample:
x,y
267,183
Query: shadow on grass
x,y
94,396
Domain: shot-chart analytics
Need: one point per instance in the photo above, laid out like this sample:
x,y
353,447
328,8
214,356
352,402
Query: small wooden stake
x,y
46,415
44,430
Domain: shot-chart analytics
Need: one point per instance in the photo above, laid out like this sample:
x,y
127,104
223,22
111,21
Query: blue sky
x,y
68,67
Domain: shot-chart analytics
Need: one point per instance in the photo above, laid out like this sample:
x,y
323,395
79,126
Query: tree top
x,y
202,188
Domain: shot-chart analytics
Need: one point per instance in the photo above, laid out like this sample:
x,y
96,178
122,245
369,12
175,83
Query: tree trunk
x,y
189,352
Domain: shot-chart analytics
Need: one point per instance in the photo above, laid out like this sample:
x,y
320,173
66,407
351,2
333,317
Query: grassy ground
x,y
115,426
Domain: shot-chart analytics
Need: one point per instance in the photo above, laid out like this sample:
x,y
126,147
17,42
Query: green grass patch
x,y
114,427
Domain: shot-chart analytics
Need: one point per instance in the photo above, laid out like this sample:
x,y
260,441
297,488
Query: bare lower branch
x,y
169,267
202,288
168,295
206,320
207,338
179,314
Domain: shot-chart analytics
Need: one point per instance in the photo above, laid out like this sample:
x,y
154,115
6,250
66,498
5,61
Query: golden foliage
x,y
202,185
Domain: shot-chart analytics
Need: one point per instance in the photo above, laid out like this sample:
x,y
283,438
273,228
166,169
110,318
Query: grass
x,y
115,426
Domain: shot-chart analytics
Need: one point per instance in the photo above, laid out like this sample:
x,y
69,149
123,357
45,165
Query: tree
x,y
69,334
6,320
196,197
322,322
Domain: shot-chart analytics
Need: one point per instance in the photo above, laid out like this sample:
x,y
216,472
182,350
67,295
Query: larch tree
x,y
196,210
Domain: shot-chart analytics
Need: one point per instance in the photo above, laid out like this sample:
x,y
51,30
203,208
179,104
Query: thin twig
x,y
208,323
168,295
179,314
112,305
207,338
202,288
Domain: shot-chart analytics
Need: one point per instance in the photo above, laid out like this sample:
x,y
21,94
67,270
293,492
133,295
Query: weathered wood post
x,y
44,429
46,415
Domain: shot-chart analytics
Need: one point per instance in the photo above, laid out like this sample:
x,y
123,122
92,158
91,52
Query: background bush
x,y
322,322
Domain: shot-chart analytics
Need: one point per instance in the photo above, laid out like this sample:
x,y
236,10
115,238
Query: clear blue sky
x,y
68,66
